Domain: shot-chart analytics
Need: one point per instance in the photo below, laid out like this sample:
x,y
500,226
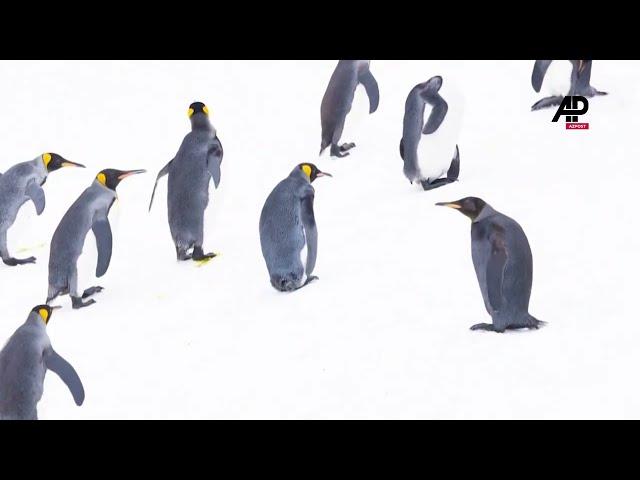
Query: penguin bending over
x,y
427,145
288,232
503,263
24,362
196,163
18,185
580,82
337,102
89,212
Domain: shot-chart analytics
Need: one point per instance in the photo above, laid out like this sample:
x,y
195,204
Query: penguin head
x,y
111,177
312,172
199,115
469,206
197,107
53,162
44,311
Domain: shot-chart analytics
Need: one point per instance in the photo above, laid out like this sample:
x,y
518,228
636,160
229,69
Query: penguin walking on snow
x,y
503,263
88,212
429,134
578,79
196,163
24,362
340,97
18,185
288,232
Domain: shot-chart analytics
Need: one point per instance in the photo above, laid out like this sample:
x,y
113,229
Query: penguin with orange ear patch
x,y
88,212
288,232
24,362
20,184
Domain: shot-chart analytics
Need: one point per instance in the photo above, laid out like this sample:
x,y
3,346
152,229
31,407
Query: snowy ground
x,y
385,332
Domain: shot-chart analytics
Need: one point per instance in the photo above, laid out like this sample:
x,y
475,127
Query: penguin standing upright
x,y
579,82
288,232
24,362
429,134
503,263
18,185
89,212
196,163
338,99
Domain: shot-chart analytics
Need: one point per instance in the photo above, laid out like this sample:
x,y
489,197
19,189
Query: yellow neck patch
x,y
307,170
205,109
102,178
46,158
190,112
44,314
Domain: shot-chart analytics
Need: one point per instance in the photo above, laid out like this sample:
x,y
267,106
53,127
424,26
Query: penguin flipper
x,y
310,232
67,374
161,173
438,113
370,85
402,148
214,159
496,267
36,194
102,231
539,71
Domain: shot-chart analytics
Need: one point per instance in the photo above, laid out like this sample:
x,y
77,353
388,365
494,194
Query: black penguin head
x,y
45,312
312,172
54,162
469,206
197,107
111,177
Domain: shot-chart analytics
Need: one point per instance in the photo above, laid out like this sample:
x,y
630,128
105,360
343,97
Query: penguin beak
x,y
67,163
449,204
129,173
323,174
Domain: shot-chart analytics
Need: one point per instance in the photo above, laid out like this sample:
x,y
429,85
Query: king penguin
x,y
288,231
503,263
196,163
429,134
558,78
24,362
339,98
18,185
89,212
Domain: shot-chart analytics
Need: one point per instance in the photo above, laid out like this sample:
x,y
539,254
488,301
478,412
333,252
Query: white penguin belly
x,y
303,259
357,117
436,150
557,80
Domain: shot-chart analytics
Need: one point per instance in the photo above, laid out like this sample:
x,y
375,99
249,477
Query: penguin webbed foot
x,y
198,255
488,327
91,291
547,102
12,262
77,303
342,150
426,185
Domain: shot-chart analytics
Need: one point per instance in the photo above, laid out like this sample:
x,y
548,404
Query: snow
x,y
385,331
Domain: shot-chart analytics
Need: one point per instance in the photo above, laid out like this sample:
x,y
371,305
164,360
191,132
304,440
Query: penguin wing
x,y
36,194
438,112
214,159
496,266
539,71
402,148
310,231
102,231
371,87
161,173
67,374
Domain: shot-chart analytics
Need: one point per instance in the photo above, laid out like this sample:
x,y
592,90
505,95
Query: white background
x,y
385,331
